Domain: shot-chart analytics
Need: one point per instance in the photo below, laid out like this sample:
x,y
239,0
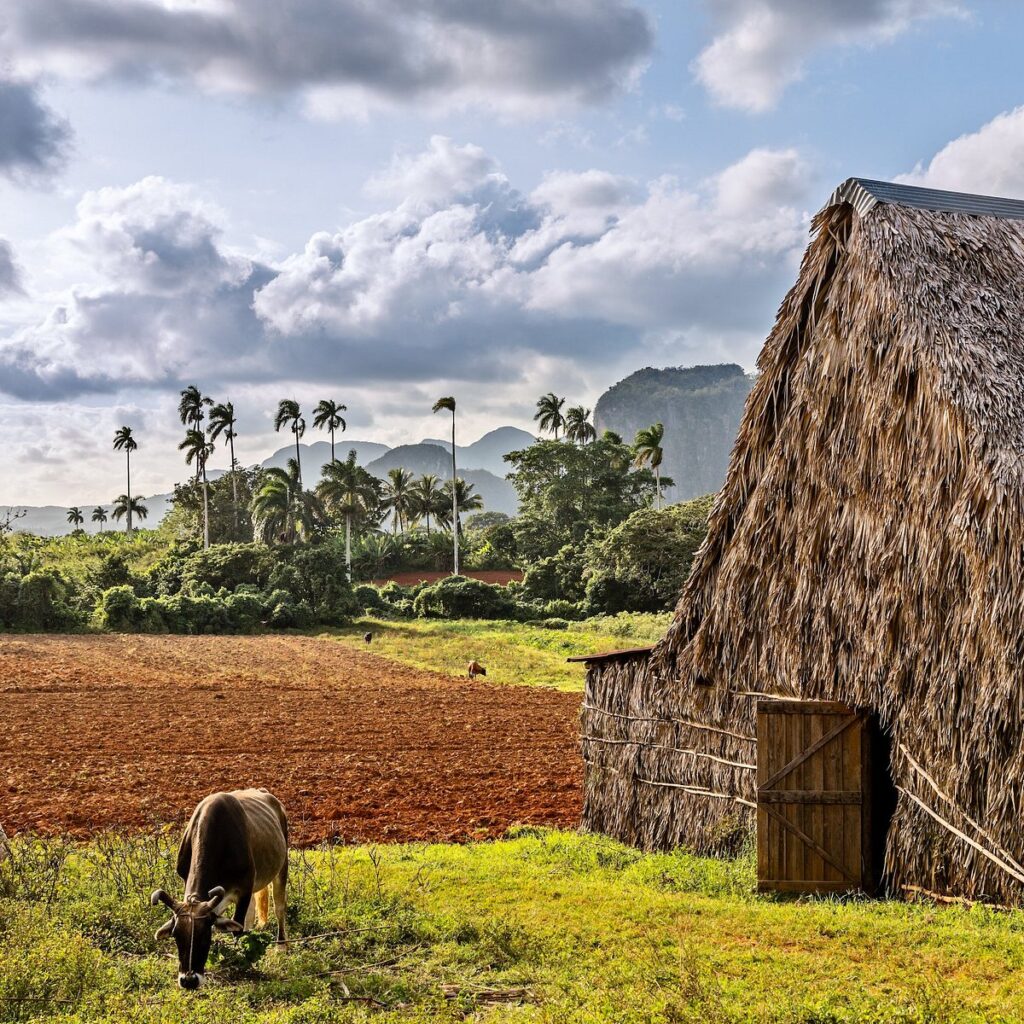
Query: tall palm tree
x,y
289,415
426,495
75,516
99,515
578,427
281,510
198,449
126,506
191,411
465,499
327,415
648,451
222,421
123,441
448,404
347,488
398,496
549,412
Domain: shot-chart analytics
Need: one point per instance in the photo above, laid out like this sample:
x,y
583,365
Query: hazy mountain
x,y
489,451
700,407
480,464
497,492
316,455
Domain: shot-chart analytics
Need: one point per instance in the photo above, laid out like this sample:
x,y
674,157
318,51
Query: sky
x,y
385,202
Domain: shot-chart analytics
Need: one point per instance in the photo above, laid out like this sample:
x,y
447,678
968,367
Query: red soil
x,y
414,576
104,731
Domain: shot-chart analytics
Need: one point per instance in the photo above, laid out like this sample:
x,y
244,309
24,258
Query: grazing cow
x,y
235,846
367,637
475,669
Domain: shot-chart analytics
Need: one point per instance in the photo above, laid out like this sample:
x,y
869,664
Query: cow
x,y
234,846
474,669
367,637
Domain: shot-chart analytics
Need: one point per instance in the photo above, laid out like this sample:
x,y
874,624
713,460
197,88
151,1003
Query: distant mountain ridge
x,y
480,463
700,407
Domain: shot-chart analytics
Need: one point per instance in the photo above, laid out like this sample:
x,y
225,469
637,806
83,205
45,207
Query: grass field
x,y
541,927
514,653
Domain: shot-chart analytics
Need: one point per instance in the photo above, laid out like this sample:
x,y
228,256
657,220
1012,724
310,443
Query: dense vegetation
x,y
260,548
540,927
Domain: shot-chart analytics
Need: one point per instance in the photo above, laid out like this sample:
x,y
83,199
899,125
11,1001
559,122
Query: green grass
x,y
514,653
562,927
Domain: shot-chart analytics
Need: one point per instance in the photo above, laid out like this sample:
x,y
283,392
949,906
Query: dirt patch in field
x,y
103,731
409,579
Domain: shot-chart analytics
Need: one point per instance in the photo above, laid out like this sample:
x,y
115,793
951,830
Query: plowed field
x,y
101,731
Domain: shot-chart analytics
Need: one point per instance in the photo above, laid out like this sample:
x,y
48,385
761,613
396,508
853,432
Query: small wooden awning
x,y
628,652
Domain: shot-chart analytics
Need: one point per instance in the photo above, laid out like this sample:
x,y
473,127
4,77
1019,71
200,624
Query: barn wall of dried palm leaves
x,y
868,547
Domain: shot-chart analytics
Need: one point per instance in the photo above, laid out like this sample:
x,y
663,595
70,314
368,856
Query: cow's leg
x,y
262,906
281,905
244,909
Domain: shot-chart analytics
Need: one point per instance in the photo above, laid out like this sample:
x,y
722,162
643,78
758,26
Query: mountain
x,y
316,455
489,451
480,463
700,407
497,492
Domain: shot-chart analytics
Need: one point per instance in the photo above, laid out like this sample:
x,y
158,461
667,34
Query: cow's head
x,y
191,926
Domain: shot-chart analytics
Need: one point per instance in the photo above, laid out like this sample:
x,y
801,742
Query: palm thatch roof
x,y
867,547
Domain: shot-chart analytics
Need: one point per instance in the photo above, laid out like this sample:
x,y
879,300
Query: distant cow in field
x,y
475,669
367,637
235,846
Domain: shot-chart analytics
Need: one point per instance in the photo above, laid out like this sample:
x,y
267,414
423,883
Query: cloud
x,y
464,277
33,140
762,46
344,57
990,160
10,275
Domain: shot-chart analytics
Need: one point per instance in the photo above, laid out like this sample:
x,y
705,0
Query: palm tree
x,y
349,490
99,515
126,506
198,449
448,403
648,450
289,414
281,510
549,412
398,496
75,517
425,497
328,415
465,499
190,410
123,441
578,427
222,421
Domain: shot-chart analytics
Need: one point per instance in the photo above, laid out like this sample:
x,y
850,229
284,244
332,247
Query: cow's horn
x,y
161,897
215,895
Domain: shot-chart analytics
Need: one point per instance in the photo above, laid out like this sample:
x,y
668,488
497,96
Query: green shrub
x,y
367,597
554,623
563,610
42,602
457,597
119,610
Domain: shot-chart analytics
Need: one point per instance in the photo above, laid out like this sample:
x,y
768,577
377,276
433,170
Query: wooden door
x,y
813,798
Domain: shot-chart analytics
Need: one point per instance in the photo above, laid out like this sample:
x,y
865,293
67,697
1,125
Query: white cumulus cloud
x,y
762,46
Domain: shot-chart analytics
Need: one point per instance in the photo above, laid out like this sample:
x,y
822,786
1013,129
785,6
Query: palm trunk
x,y
657,483
348,546
298,457
332,444
128,527
234,477
455,503
206,510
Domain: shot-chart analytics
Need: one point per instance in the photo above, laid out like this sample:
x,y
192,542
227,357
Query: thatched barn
x,y
867,547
